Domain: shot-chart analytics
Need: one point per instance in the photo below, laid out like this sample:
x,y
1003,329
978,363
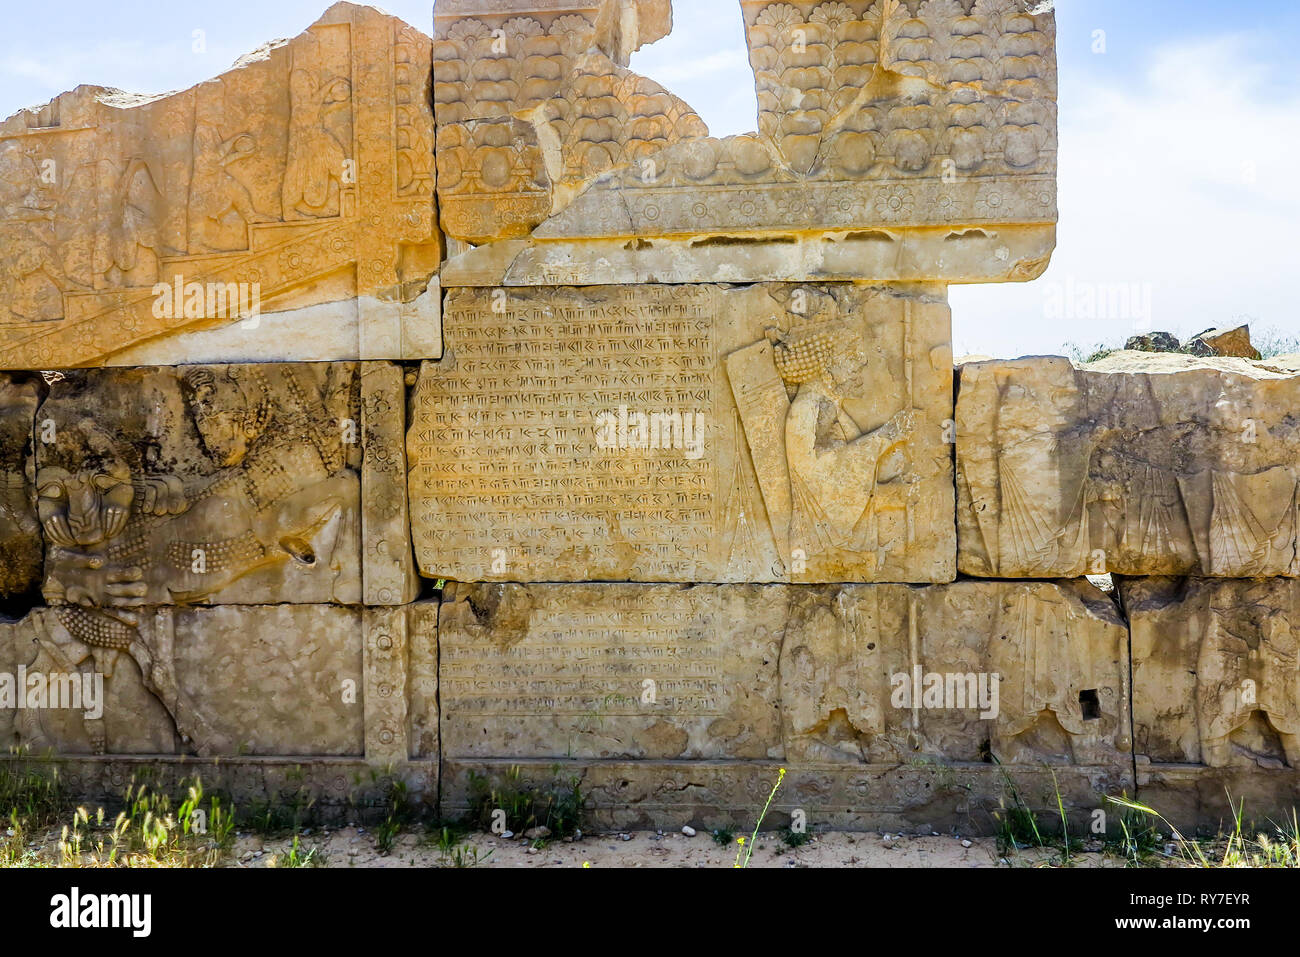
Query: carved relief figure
x,y
1249,662
314,168
277,490
823,477
134,241
221,209
30,288
834,466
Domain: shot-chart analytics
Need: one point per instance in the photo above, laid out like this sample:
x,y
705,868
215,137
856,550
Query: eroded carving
x,y
305,173
1140,465
1216,671
21,551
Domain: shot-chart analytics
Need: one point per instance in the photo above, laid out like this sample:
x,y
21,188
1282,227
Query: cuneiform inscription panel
x,y
600,671
686,433
513,422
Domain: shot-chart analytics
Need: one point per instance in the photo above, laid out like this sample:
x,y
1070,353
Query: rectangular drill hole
x,y
1090,704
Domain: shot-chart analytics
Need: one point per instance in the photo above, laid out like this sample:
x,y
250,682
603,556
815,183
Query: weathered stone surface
x,y
533,100
216,484
1138,464
1059,651
21,554
302,176
401,712
268,680
917,796
676,705
1025,672
898,141
1216,696
329,791
1224,342
1216,677
388,564
698,433
611,671
231,680
361,328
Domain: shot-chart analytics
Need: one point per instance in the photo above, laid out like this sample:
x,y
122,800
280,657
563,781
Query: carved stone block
x,y
886,703
1025,672
303,176
388,565
1216,677
611,671
1139,465
20,536
897,141
1216,698
918,796
698,433
534,100
203,484
225,681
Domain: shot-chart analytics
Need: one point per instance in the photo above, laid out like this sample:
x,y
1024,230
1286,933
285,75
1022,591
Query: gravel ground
x,y
353,847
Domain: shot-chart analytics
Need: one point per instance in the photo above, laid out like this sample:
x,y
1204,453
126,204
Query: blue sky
x,y
1180,143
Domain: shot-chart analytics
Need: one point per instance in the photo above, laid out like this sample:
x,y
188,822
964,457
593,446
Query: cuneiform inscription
x,y
518,470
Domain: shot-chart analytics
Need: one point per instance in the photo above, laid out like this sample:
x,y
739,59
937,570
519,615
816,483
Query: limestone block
x,y
915,797
687,434
401,683
1140,464
1232,341
302,176
1216,697
335,792
361,328
533,100
1025,672
1216,678
886,703
21,554
897,141
227,681
388,564
611,671
207,484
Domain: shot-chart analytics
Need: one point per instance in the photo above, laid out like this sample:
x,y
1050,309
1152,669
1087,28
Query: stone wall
x,y
452,408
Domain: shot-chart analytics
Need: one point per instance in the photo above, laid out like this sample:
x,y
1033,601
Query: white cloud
x,y
1184,181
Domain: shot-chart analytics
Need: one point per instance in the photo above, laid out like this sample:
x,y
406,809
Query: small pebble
x,y
688,831
965,844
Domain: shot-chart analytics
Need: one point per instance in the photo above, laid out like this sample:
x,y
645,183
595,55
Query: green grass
x,y
1277,848
793,838
513,805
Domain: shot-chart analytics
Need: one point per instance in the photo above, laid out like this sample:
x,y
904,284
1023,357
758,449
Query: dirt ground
x,y
355,847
